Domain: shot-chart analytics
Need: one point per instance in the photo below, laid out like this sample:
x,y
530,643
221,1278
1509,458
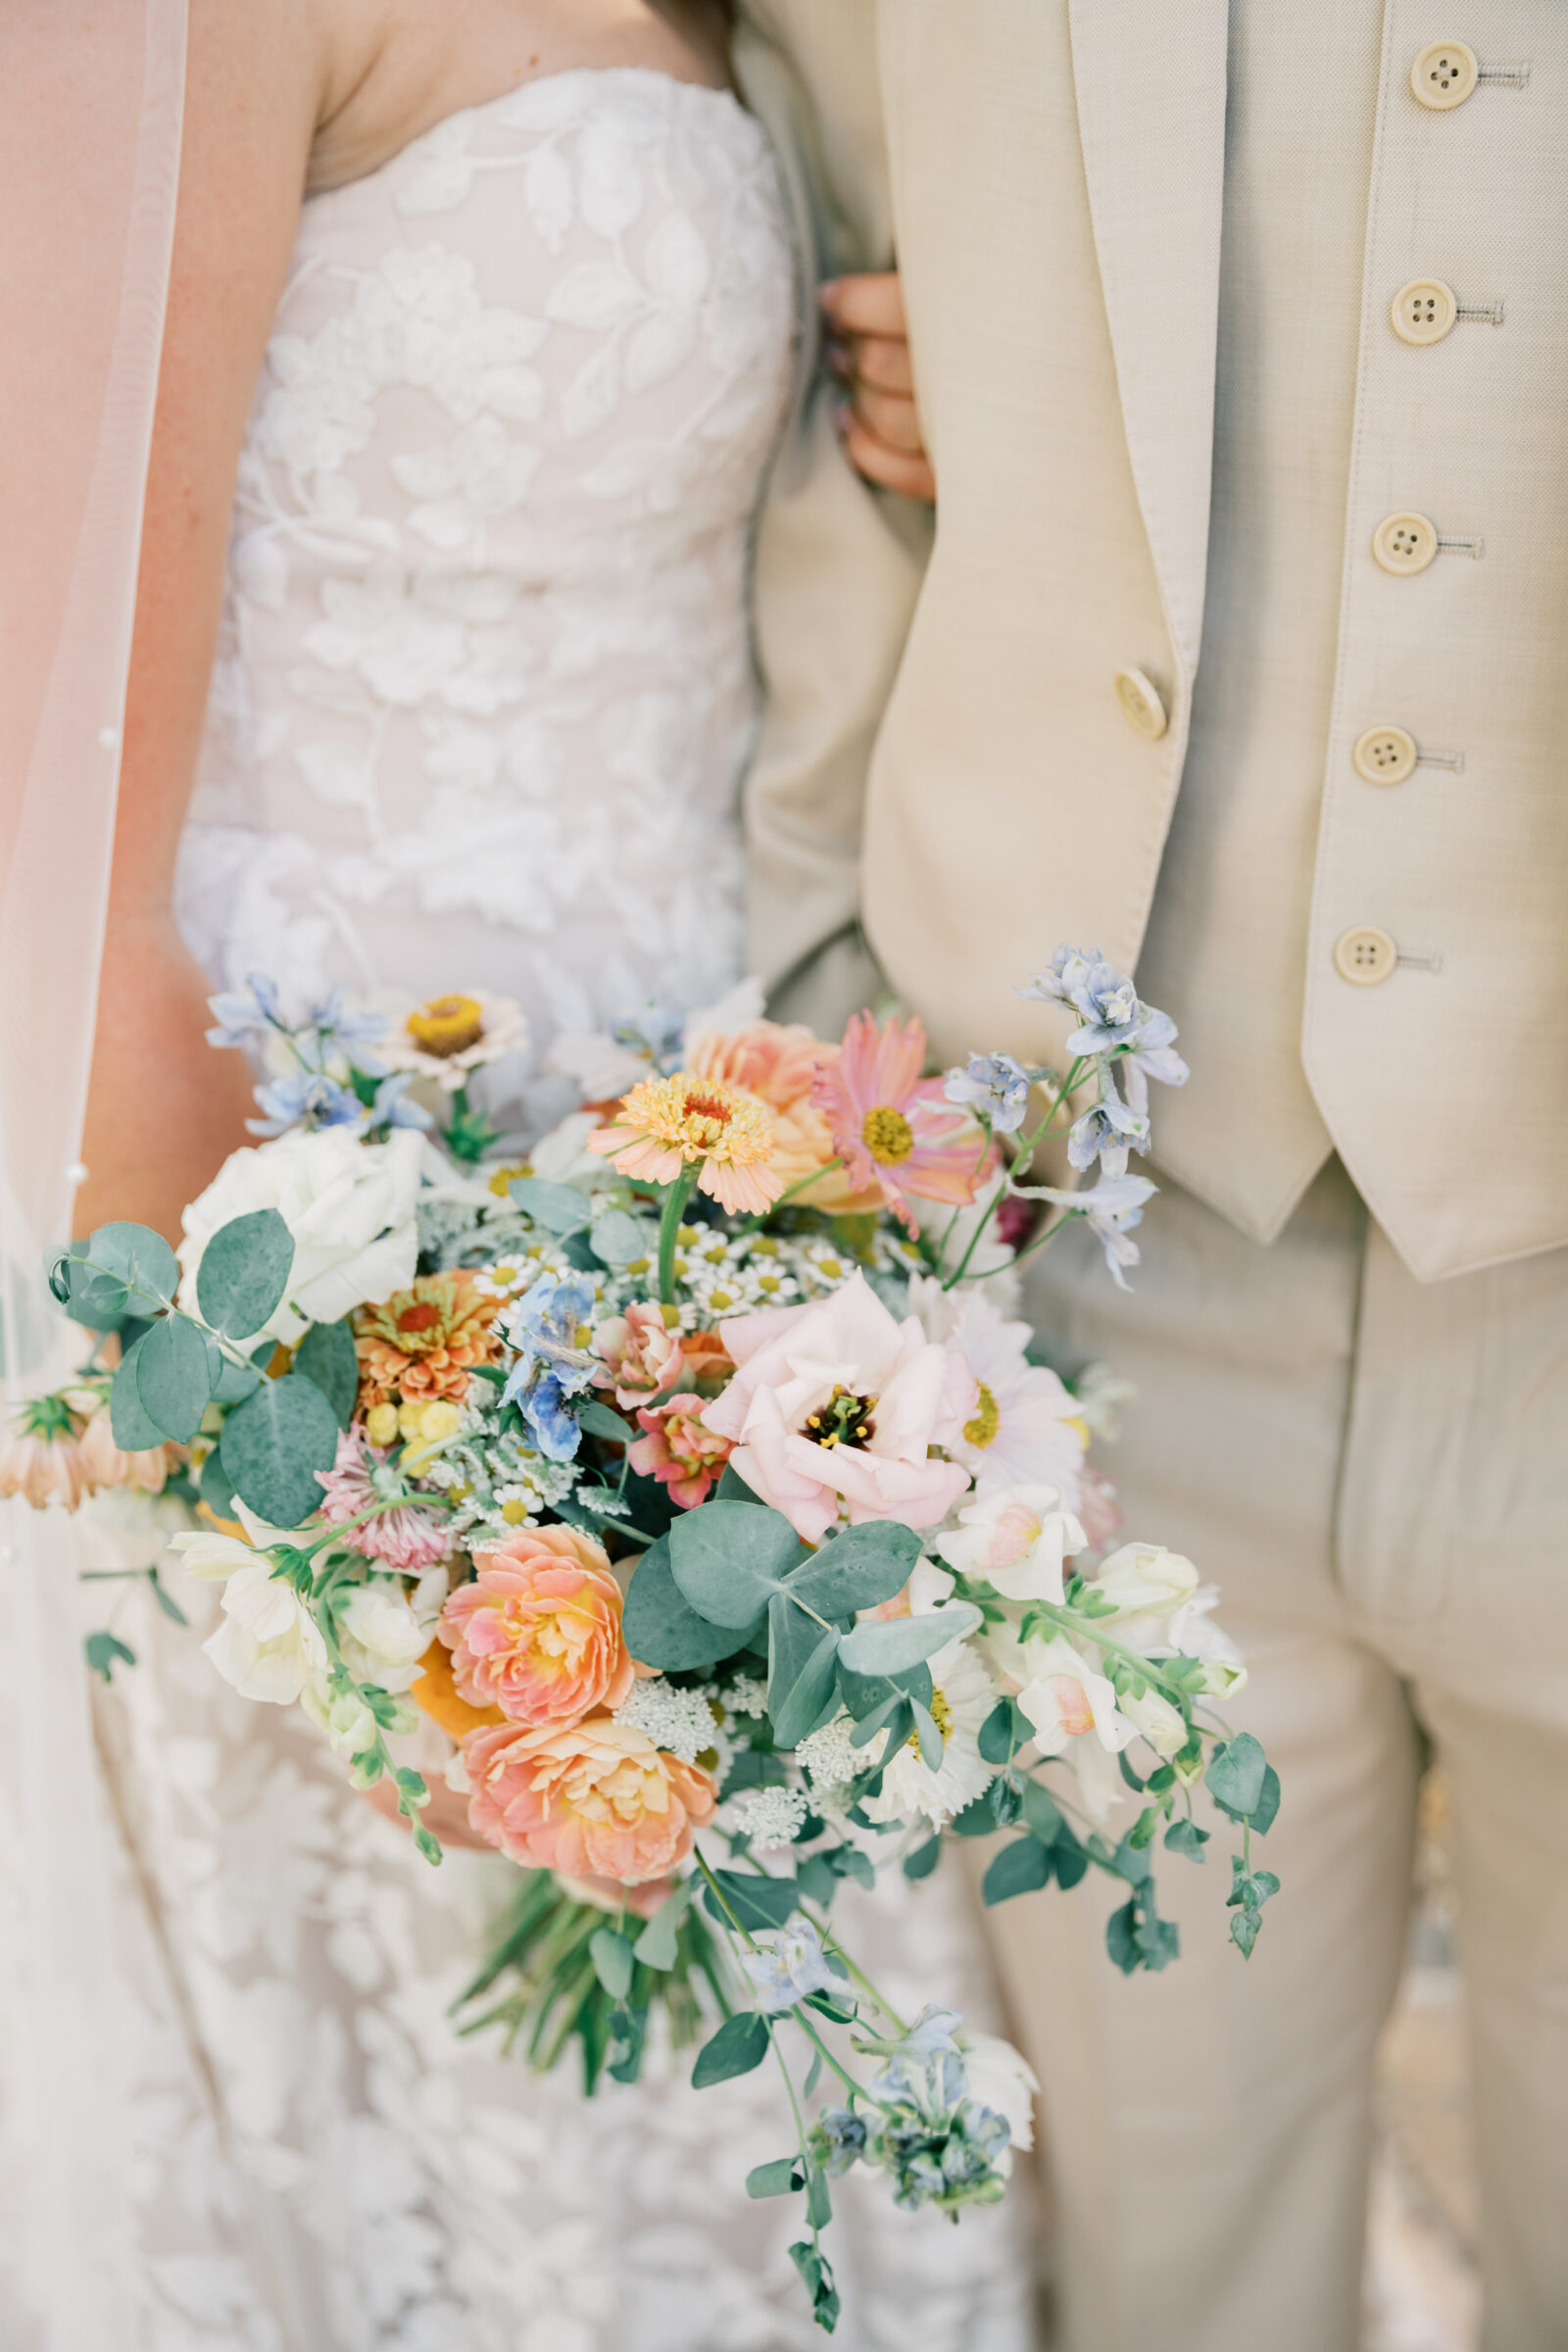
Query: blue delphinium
x,y
305,1098
940,2146
838,2139
392,1107
791,1967
1153,1055
1107,1131
656,1034
242,1014
996,1086
551,1367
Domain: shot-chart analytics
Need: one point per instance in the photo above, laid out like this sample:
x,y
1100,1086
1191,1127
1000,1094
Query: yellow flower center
x,y
887,1135
987,1421
447,1025
501,1178
941,1715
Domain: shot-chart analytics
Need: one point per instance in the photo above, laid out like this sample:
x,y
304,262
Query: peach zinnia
x,y
537,1632
596,1801
422,1343
668,1124
781,1065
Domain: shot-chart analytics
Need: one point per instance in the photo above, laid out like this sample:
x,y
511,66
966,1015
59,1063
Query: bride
x,y
441,679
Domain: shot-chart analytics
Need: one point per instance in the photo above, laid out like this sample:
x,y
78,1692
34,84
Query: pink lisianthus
x,y
406,1540
679,1452
840,1401
643,1353
896,1131
537,1632
596,1800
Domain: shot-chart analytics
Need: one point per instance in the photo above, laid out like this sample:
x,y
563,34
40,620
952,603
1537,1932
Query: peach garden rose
x,y
598,1800
537,1632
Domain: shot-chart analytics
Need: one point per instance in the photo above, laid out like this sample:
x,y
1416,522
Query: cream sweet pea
x,y
349,1205
840,1402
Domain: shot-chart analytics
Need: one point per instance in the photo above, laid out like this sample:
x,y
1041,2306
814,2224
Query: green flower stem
x,y
676,1197
796,2010
800,2137
1074,1622
802,1184
1027,1144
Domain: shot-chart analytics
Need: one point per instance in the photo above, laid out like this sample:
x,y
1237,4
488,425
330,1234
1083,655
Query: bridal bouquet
x,y
694,1480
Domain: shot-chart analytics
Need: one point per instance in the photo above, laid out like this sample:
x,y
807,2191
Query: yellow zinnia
x,y
667,1124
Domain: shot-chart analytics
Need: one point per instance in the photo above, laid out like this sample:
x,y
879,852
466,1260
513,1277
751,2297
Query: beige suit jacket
x,y
944,759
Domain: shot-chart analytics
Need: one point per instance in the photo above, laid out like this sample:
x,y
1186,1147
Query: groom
x,y
1241,653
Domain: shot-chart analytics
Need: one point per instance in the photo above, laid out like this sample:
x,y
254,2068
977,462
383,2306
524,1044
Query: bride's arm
x,y
163,1108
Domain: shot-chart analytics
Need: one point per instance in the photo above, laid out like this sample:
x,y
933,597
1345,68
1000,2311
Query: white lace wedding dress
x,y
484,700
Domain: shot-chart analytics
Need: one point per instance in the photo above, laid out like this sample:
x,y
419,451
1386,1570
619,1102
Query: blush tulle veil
x,y
91,94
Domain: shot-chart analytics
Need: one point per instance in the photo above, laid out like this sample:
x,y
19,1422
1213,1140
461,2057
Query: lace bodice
x,y
484,692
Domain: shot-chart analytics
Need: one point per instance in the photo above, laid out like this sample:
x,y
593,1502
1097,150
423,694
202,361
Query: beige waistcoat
x,y
946,753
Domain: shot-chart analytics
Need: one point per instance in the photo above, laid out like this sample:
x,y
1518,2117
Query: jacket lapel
x,y
1150,78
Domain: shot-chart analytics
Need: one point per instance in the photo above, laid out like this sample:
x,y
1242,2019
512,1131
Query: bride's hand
x,y
868,350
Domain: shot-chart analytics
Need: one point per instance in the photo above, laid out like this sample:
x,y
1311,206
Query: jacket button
x,y
1384,755
1444,74
1141,705
1404,543
1364,956
1423,310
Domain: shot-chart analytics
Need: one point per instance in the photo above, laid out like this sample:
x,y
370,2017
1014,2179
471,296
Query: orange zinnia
x,y
422,1343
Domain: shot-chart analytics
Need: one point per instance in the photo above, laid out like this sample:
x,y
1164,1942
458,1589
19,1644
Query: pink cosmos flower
x,y
598,1800
537,1632
407,1540
893,1128
679,1452
839,1401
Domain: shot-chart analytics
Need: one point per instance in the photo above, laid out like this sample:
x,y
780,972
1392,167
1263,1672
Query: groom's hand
x,y
868,351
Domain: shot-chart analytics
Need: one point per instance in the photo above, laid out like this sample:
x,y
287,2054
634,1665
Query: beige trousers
x,y
1377,1475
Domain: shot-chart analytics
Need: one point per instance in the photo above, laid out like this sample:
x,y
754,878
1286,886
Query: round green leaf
x,y
244,1272
136,1260
728,1557
559,1208
888,1644
617,1239
739,2045
275,1444
661,1627
327,1356
859,1568
1020,1869
132,1430
171,1376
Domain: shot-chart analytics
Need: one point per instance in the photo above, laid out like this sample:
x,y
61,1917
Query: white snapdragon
x,y
268,1646
383,1632
1016,1540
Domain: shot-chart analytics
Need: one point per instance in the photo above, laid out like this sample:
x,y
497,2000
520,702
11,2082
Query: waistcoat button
x,y
1404,543
1364,956
1141,705
1444,74
1384,755
1423,310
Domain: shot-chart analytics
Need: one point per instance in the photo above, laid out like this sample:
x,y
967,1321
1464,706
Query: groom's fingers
x,y
892,419
889,468
868,305
868,350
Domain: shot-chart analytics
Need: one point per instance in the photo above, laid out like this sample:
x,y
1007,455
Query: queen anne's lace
x,y
480,720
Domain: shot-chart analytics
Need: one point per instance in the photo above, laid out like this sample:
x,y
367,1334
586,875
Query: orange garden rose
x,y
537,1633
598,1800
422,1343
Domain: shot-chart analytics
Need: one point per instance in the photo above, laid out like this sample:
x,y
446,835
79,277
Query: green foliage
x,y
752,1901
1004,1731
217,1488
739,2045
105,1651
866,1694
559,1208
1042,1813
1186,1838
924,1859
729,1558
601,1422
776,2180
1136,1937
231,1381
802,1685
617,1239
889,1645
327,1356
612,1957
244,1272
1235,1776
133,1429
1021,1867
813,2265
119,1270
657,1946
858,1569
172,1379
275,1444
663,1629
1250,1891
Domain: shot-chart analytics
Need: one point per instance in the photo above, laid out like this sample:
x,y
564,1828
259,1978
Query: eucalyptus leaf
x,y
889,1644
105,1651
244,1272
601,1422
1021,1867
231,1383
612,1955
732,1487
802,1682
326,1355
132,1428
656,1946
217,1488
130,1260
728,1557
171,1376
927,1736
924,1859
662,1627
757,1900
1004,1731
617,1239
1235,1778
739,2045
1042,1812
559,1208
775,2180
863,1693
275,1444
859,1568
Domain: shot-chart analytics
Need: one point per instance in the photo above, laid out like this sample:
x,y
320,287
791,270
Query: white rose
x,y
383,1634
348,1204
1002,2079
